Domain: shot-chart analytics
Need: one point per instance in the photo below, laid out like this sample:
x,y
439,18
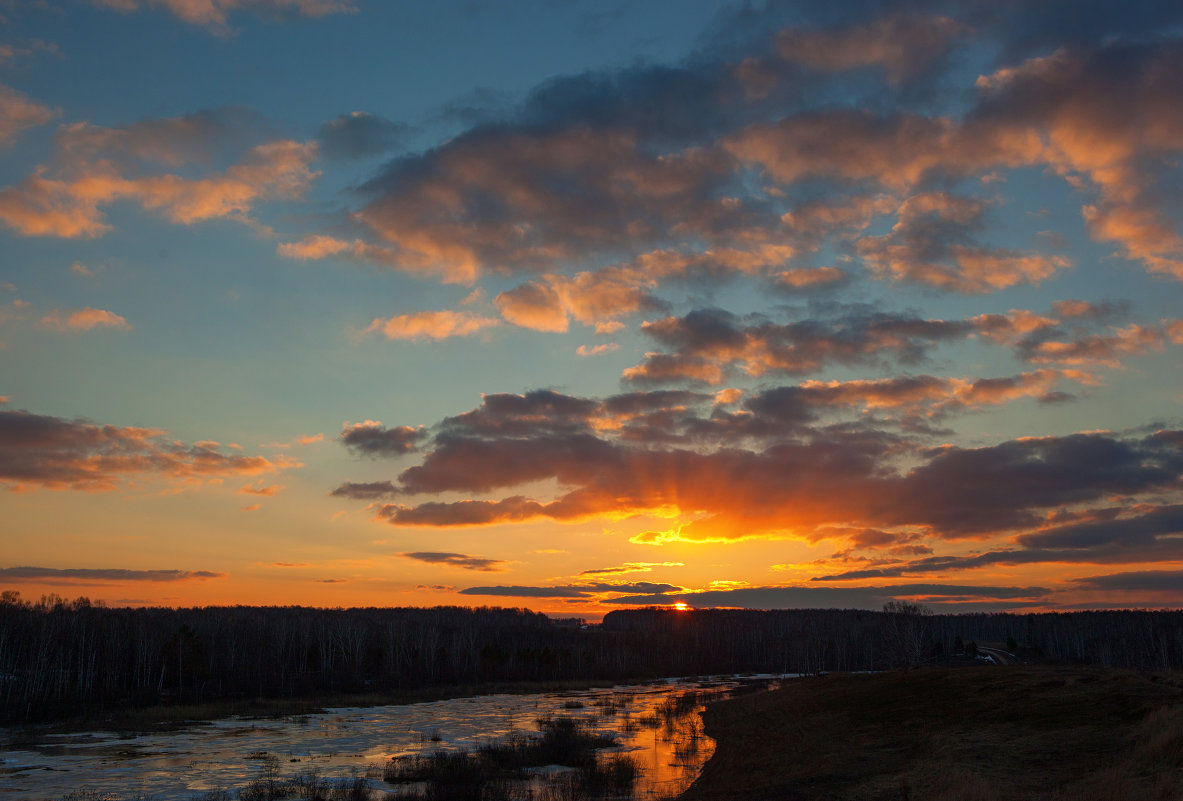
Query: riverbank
x,y
168,717
970,734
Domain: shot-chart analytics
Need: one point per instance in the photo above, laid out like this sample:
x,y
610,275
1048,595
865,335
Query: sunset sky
x,y
582,305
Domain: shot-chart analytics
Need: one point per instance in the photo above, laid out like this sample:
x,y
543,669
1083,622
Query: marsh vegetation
x,y
640,741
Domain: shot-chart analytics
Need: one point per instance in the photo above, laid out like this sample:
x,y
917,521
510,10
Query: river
x,y
657,724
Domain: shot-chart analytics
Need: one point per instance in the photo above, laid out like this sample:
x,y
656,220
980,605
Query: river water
x,y
657,724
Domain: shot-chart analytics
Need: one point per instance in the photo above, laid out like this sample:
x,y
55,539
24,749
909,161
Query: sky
x,y
579,306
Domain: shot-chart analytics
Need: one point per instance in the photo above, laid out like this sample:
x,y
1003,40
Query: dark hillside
x,y
974,734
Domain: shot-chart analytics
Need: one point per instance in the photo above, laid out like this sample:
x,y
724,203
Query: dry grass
x,y
971,734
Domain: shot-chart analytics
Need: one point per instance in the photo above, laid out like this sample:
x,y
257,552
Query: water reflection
x,y
657,725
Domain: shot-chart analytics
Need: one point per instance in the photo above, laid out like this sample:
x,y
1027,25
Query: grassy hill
x,y
969,734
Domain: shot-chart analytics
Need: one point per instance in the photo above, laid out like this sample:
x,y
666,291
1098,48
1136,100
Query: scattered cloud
x,y
18,114
95,167
900,44
586,590
359,135
76,575
83,320
675,454
596,350
432,325
937,595
628,567
264,491
464,561
54,453
707,342
371,438
214,14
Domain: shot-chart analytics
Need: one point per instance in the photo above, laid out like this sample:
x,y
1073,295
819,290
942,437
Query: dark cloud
x,y
583,590
201,137
769,468
365,491
933,243
836,598
534,413
1170,581
610,166
707,344
964,491
527,592
902,45
53,575
1057,397
53,453
374,439
636,586
540,197
1104,537
359,135
1130,532
460,560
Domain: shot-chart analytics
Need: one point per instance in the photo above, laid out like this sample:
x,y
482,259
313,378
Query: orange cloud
x,y
316,246
596,350
548,303
1118,139
263,491
18,113
487,202
1121,136
84,320
319,246
71,206
1106,350
432,325
1012,327
929,244
213,14
54,453
768,476
810,278
609,327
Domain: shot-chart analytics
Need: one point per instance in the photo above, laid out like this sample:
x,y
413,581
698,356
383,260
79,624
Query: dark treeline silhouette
x,y
60,657
814,640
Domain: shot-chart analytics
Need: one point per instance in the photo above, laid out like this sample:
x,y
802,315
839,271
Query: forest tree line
x,y
58,656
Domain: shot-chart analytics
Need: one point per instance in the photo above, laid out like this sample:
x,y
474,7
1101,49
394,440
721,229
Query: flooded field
x,y
657,725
